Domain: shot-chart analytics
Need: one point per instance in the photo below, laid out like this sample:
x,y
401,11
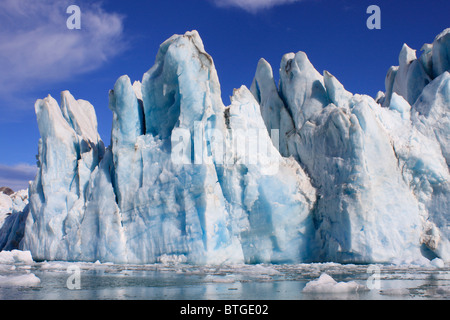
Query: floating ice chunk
x,y
15,256
25,280
417,262
55,265
326,284
438,263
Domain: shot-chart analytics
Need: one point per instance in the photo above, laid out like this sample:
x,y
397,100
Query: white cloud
x,y
252,5
17,176
37,48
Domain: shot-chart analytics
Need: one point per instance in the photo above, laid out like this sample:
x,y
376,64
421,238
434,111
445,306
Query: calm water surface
x,y
239,282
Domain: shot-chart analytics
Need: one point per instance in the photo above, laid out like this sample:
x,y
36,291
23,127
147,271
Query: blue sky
x,y
40,56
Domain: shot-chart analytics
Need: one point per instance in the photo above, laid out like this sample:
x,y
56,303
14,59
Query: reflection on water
x,y
242,282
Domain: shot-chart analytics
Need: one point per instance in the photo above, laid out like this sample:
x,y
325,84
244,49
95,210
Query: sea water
x,y
179,281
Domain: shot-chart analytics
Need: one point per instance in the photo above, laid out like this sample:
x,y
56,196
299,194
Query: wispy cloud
x,y
252,6
17,177
37,48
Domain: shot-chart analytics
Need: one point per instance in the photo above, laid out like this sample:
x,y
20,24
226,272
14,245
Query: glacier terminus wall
x,y
299,171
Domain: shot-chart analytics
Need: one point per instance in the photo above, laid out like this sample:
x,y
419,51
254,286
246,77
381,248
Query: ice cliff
x,y
299,172
13,214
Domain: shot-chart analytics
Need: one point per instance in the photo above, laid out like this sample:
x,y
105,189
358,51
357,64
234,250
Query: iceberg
x,y
25,280
326,284
299,171
15,257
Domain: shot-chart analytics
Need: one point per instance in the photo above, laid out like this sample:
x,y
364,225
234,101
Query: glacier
x,y
13,215
302,171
